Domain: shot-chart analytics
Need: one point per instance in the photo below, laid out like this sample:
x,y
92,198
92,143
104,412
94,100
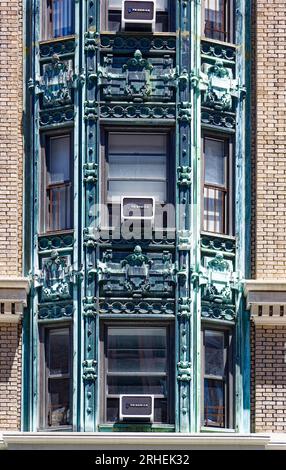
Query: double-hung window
x,y
217,409
56,210
217,183
138,360
56,377
217,17
57,18
136,166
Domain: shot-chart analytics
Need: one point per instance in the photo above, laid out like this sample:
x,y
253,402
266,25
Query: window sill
x,y
218,42
139,33
136,427
58,39
218,430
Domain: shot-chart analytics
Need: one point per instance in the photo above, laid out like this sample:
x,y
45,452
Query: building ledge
x,y
140,441
13,298
266,300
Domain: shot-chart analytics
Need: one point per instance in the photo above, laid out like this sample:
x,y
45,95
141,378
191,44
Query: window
x,y
56,211
57,18
111,16
138,361
56,376
217,215
218,20
217,379
136,165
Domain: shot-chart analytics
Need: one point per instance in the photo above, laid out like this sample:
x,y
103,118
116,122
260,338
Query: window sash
x,y
215,414
55,386
150,184
56,189
218,20
217,198
57,18
161,399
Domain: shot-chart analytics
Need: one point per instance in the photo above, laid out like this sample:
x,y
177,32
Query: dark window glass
x,y
215,185
57,205
218,20
57,18
136,363
217,377
57,379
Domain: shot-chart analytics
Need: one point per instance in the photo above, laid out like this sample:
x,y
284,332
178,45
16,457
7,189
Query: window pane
x,y
132,338
134,143
117,385
59,159
155,189
214,162
59,208
214,353
214,208
59,350
112,409
215,19
62,17
137,166
143,360
59,410
160,410
214,410
57,18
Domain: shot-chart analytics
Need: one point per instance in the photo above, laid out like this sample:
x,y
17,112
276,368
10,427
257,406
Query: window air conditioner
x,y
137,208
138,15
139,407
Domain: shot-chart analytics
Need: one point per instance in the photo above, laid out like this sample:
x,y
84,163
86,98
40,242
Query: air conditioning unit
x,y
138,15
137,208
139,407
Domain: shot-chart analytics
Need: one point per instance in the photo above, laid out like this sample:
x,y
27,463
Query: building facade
x,y
143,184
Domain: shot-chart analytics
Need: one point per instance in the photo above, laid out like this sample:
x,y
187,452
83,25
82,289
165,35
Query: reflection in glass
x,y
214,353
214,410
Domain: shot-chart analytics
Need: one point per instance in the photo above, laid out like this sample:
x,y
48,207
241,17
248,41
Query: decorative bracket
x,y
184,112
90,171
184,307
184,371
89,307
89,370
184,175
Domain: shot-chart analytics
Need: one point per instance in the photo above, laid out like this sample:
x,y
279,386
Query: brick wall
x,y
270,378
10,376
11,175
11,149
269,243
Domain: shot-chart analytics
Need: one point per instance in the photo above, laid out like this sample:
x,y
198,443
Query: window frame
x,y
229,25
44,376
45,138
228,188
170,159
228,379
169,326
